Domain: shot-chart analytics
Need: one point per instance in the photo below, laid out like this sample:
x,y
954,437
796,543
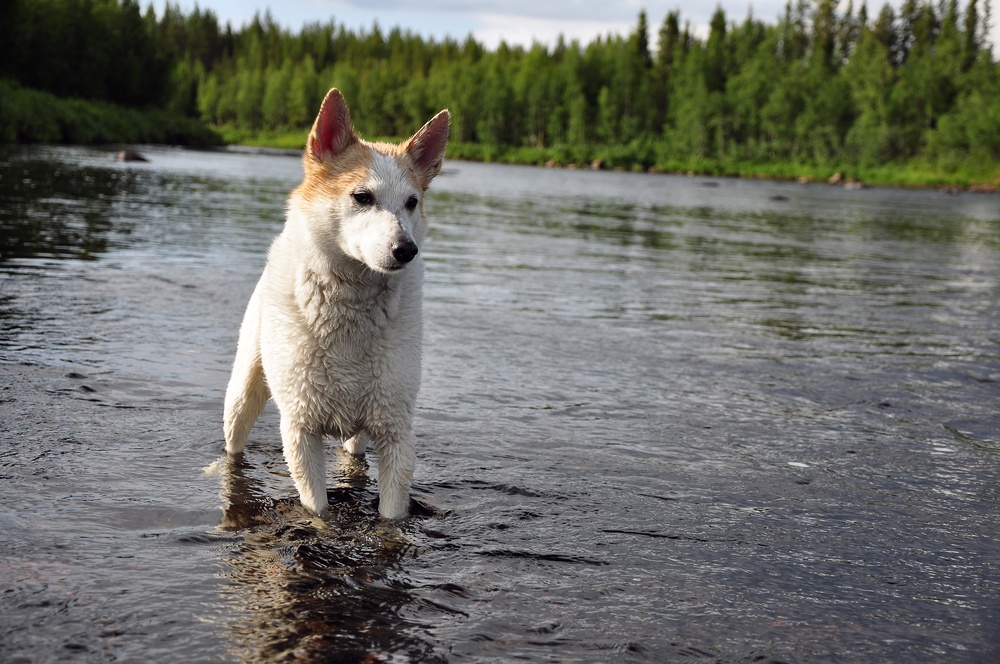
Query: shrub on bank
x,y
31,116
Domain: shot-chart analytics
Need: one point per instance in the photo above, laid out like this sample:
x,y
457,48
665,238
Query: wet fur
x,y
333,329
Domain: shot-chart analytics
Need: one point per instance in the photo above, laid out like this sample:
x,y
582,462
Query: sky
x,y
515,21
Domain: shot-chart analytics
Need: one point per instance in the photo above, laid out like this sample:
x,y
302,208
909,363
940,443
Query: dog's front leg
x,y
397,458
306,461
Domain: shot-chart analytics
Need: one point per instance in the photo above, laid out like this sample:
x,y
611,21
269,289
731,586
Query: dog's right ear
x,y
332,132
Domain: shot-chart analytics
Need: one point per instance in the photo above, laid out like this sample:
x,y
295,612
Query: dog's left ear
x,y
426,147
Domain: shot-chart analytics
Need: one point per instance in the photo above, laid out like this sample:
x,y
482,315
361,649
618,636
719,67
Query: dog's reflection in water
x,y
317,590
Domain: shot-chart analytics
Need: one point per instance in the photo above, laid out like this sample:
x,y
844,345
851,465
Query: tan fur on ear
x,y
426,147
332,132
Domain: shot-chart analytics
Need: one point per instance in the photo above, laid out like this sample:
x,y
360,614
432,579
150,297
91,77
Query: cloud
x,y
515,21
566,11
490,21
494,28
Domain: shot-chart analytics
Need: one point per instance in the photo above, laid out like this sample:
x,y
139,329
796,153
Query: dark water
x,y
663,419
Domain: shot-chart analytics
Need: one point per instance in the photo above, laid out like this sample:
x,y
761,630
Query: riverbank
x,y
32,116
654,158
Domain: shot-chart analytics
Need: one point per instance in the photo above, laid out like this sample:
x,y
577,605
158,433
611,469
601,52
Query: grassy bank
x,y
31,116
281,140
655,157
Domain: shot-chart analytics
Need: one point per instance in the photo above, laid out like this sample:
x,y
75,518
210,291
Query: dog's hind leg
x,y
247,392
306,461
357,444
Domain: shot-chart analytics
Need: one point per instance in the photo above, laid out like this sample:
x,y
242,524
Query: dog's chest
x,y
348,327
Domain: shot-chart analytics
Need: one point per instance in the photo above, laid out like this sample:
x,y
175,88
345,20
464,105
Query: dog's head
x,y
366,199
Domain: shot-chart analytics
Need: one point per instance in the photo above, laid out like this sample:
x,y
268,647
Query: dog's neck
x,y
348,279
334,303
360,280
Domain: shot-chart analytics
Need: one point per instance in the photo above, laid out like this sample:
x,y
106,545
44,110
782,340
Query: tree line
x,y
823,84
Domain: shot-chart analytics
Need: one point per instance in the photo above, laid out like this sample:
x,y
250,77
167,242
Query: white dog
x,y
333,330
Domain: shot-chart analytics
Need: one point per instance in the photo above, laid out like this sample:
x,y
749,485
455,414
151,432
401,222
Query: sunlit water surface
x,y
662,419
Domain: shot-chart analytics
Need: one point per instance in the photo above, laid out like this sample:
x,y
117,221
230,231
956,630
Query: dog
x,y
332,332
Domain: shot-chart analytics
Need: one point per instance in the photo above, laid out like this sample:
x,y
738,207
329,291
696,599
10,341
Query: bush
x,y
30,116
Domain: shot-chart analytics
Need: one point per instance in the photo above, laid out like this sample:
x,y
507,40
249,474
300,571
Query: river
x,y
662,419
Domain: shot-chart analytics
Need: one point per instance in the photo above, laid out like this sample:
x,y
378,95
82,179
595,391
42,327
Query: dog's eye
x,y
363,198
411,203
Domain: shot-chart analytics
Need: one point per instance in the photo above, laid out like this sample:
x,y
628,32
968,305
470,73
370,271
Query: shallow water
x,y
662,419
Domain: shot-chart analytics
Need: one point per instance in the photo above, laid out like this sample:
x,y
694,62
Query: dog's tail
x,y
247,392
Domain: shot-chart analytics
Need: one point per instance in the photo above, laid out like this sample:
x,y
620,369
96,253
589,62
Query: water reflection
x,y
318,590
661,420
78,203
59,209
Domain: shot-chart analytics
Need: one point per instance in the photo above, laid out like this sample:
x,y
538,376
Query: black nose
x,y
404,251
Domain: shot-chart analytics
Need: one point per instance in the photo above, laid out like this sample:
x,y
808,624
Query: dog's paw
x,y
320,507
394,507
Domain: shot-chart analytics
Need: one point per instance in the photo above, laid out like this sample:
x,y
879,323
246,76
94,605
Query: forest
x,y
910,96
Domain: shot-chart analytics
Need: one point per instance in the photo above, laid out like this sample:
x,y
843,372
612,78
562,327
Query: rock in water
x,y
130,155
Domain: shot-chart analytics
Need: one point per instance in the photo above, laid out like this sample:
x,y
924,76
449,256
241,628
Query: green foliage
x,y
969,132
90,49
32,116
823,89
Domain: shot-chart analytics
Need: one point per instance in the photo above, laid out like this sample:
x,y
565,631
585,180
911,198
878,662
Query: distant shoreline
x,y
915,175
31,116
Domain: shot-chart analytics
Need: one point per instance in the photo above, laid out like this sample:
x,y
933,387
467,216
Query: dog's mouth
x,y
381,268
395,266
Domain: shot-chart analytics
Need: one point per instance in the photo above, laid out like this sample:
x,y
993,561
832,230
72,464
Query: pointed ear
x,y
426,147
332,132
